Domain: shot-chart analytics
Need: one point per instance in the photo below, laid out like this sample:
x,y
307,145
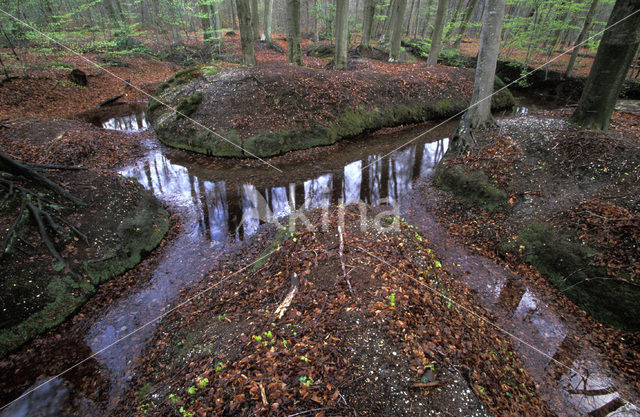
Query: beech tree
x,y
581,37
396,33
268,17
255,21
367,22
617,48
246,32
340,57
294,48
436,38
479,112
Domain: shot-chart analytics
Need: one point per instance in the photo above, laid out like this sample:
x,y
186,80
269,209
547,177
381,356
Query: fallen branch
x,y
344,268
284,305
110,100
54,166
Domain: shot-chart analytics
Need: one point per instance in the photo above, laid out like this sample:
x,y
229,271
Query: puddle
x,y
127,117
534,320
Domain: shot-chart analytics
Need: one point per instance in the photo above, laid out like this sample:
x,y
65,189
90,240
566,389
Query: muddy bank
x,y
119,224
352,341
271,110
561,199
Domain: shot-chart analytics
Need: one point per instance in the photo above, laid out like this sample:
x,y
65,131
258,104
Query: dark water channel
x,y
224,204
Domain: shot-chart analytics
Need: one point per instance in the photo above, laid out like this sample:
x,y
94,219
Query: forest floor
x,y
317,356
570,207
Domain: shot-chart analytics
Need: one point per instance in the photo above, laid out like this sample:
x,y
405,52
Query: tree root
x,y
12,166
39,216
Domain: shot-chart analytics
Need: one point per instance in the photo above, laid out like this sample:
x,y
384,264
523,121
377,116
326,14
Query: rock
x,y
79,77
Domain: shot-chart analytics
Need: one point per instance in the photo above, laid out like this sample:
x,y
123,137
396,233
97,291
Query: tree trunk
x,y
479,112
268,16
436,38
246,32
367,22
581,37
617,48
234,18
396,34
412,15
205,20
413,30
316,28
340,58
464,24
255,21
294,49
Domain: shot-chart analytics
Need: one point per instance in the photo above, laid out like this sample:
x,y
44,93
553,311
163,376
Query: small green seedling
x,y
392,299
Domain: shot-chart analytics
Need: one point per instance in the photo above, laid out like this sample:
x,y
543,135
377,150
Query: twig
x,y
54,166
341,251
308,411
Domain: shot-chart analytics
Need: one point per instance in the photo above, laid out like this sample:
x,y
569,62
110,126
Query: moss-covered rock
x,y
470,187
273,110
566,263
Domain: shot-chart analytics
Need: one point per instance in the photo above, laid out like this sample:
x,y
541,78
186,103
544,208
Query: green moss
x,y
153,104
472,188
139,234
188,106
566,263
180,78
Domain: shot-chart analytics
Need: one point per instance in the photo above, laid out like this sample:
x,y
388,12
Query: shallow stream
x,y
222,204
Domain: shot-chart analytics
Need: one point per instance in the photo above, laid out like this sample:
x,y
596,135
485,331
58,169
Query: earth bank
x,y
270,110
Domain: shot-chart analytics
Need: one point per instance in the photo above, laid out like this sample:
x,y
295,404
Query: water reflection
x,y
220,213
129,123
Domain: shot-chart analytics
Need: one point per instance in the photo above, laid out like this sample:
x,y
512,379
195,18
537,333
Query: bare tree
x,y
396,33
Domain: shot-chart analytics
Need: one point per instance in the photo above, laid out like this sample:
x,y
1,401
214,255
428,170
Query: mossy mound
x,y
122,223
470,187
567,264
268,111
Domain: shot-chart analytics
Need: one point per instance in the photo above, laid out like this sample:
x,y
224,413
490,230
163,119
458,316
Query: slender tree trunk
x,y
479,112
454,20
255,20
464,24
581,37
413,30
617,48
396,34
367,22
316,27
436,38
293,32
390,21
246,32
268,16
205,20
412,16
340,58
234,18
427,18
